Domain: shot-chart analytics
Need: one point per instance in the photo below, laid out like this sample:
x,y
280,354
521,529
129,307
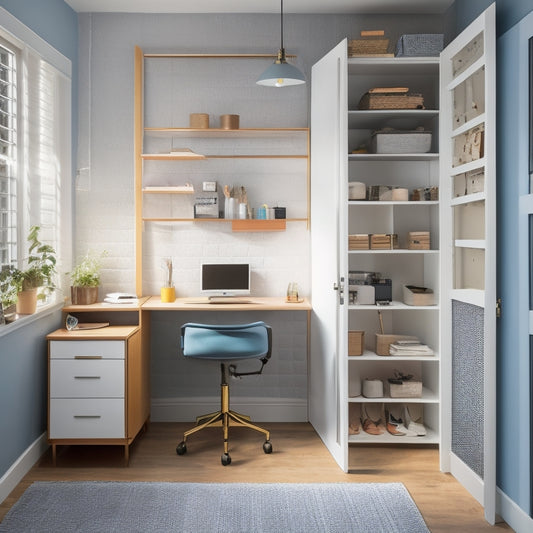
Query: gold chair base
x,y
224,418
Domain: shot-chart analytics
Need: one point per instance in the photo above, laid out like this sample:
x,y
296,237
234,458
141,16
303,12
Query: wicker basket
x,y
391,101
420,45
408,389
370,46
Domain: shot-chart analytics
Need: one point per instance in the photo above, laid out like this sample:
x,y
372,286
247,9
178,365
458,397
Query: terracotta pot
x,y
27,302
83,295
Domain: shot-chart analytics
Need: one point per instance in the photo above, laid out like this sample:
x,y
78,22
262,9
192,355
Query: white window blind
x,y
46,170
8,156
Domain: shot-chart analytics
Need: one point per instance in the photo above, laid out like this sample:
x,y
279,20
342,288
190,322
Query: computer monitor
x,y
225,279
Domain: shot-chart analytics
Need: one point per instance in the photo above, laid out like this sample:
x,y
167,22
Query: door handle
x,y
340,288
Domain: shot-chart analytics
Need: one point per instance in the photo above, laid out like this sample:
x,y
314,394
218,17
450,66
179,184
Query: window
x,y
35,147
8,156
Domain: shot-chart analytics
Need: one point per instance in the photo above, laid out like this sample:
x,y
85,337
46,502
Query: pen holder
x,y
168,294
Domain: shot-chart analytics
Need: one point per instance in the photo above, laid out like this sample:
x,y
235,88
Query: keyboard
x,y
228,300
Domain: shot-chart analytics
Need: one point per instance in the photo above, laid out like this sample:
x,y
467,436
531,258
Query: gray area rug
x,y
107,507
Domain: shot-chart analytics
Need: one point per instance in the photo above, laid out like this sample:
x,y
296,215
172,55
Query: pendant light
x,y
281,73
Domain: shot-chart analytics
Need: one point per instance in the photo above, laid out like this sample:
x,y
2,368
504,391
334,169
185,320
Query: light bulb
x,y
280,82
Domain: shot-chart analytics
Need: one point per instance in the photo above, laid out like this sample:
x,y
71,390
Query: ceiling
x,y
261,6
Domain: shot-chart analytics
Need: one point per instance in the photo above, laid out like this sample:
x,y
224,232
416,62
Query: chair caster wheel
x,y
181,448
225,459
267,446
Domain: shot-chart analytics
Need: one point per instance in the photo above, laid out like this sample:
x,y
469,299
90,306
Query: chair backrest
x,y
227,342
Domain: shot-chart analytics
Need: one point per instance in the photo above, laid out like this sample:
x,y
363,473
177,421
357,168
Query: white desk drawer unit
x,y
95,418
86,378
97,387
87,349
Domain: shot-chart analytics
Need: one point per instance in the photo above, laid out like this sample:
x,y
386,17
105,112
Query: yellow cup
x,y
168,294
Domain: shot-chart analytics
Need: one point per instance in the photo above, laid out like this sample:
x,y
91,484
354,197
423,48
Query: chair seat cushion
x,y
224,342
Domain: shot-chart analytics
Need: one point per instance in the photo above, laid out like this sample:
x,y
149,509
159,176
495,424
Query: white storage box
x,y
401,142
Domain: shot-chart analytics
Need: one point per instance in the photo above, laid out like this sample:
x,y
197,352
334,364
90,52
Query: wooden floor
x,y
298,456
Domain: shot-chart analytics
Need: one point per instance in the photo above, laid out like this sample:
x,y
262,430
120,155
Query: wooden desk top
x,y
107,333
104,306
201,304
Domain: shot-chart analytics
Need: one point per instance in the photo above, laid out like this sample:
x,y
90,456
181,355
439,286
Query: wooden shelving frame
x,y
140,131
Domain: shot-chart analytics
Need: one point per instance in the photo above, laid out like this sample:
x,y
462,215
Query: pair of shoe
x,y
372,417
405,420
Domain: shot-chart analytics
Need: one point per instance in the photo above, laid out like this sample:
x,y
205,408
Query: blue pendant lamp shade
x,y
281,73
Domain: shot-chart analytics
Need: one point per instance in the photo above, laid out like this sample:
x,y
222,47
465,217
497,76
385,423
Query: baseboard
x,y
259,409
470,481
513,515
22,466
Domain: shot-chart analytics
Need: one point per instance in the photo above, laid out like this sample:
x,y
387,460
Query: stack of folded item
x,y
409,347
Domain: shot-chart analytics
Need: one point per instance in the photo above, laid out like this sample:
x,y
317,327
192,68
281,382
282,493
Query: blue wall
x,y
508,12
23,372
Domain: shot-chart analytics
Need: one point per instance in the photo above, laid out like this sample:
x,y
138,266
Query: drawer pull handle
x,y
87,357
86,377
87,416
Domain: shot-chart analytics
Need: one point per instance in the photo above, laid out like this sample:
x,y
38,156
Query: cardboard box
x,y
356,342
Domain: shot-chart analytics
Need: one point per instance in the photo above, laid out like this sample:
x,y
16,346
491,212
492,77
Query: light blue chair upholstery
x,y
225,343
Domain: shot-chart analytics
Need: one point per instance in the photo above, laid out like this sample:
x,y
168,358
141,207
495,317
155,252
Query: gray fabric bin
x,y
420,45
401,142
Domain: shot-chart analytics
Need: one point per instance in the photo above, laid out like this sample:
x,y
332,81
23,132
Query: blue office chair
x,y
226,343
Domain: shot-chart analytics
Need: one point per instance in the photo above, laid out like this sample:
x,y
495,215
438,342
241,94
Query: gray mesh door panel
x,y
467,384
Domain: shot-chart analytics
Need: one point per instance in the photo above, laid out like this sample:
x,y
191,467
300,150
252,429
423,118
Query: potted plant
x,y
8,295
40,271
85,279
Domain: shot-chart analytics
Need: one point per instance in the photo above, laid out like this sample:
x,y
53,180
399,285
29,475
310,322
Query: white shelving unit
x,y
402,266
459,96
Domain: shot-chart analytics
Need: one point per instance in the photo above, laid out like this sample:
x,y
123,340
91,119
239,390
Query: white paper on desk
x,y
121,301
121,296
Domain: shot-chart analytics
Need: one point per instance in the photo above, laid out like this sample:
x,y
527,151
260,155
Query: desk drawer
x,y
87,419
91,378
87,349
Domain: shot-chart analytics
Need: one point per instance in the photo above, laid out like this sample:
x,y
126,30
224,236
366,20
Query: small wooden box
x,y
383,342
383,241
419,240
359,241
356,342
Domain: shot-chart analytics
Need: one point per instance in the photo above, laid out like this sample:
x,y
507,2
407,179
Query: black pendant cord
x,y
281,24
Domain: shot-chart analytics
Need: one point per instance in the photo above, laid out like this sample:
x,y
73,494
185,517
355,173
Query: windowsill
x,y
26,320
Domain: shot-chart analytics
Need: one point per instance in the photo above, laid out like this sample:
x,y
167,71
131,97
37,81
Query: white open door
x,y
468,259
328,185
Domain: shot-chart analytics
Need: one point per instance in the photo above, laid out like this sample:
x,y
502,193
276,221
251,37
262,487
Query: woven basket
x,y
391,101
408,389
367,46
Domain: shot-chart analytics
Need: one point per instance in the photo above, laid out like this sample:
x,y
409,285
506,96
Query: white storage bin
x,y
401,142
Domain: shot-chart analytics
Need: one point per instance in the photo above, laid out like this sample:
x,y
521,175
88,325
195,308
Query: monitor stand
x,y
228,299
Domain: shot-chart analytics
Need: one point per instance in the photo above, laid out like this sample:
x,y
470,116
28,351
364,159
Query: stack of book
x,y
409,347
